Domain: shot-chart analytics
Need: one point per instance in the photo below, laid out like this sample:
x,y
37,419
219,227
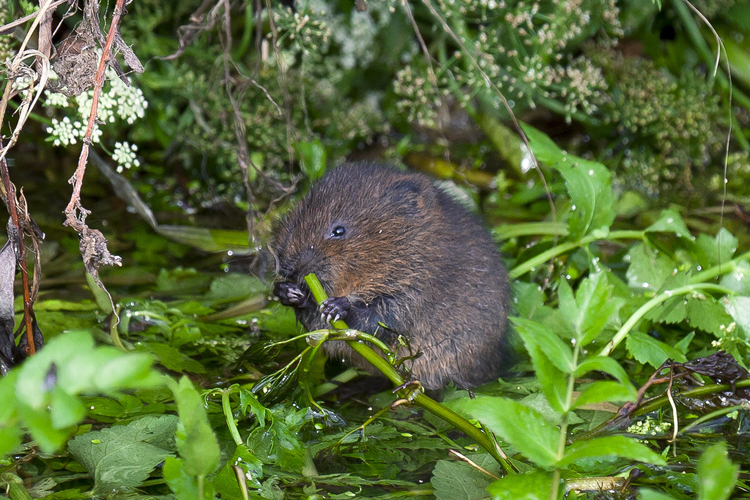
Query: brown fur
x,y
411,258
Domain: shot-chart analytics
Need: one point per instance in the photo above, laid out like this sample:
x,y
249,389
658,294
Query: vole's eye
x,y
337,232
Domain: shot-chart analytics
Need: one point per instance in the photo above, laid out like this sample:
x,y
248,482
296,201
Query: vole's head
x,y
359,228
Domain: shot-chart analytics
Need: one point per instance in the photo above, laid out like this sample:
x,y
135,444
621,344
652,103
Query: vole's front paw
x,y
334,309
290,294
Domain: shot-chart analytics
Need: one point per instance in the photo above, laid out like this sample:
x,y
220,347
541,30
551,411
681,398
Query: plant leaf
x,y
646,349
532,486
608,447
124,456
670,222
557,351
598,392
519,425
717,475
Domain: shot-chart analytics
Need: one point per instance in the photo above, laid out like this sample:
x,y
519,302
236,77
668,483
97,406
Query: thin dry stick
x,y
11,194
77,180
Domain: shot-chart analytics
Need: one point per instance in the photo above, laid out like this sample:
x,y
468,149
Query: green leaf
x,y
648,269
713,251
226,480
708,315
528,298
125,456
182,484
602,364
739,309
738,279
670,222
543,147
313,157
590,188
599,392
588,183
646,349
610,447
522,427
717,475
646,494
553,381
557,351
594,307
196,441
234,287
454,480
65,410
10,438
173,359
532,486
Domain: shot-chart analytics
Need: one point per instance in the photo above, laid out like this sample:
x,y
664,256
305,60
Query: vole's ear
x,y
409,197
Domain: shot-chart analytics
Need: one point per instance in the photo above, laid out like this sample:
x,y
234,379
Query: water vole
x,y
390,247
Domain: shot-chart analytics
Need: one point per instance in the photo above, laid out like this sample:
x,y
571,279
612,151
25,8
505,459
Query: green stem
x,y
562,248
711,416
229,416
662,297
722,268
418,398
657,403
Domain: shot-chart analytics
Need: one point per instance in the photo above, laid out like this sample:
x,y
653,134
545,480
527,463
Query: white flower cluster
x,y
125,156
55,99
64,132
120,101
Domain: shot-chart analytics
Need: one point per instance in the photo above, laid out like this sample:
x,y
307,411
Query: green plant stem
x,y
662,297
562,248
714,414
564,424
418,398
229,417
657,403
201,487
722,268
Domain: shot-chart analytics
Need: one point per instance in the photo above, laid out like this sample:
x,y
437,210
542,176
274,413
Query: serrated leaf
x,y
595,307
648,269
528,297
671,311
553,381
646,349
739,309
532,486
717,475
610,447
454,480
670,222
590,188
533,333
712,251
602,364
522,427
125,456
708,315
599,392
738,279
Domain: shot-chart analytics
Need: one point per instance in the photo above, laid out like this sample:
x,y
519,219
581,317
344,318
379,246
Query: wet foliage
x,y
178,375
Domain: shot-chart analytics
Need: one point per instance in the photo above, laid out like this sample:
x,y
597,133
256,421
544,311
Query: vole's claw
x,y
335,308
290,294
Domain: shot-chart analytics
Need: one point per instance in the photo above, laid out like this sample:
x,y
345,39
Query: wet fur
x,y
413,259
